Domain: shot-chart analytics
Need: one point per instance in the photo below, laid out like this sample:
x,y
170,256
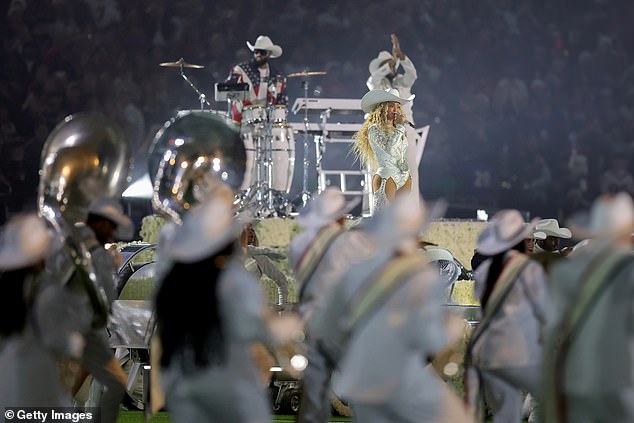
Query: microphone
x,y
405,121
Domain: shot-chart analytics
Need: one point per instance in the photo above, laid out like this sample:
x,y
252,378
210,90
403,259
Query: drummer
x,y
266,83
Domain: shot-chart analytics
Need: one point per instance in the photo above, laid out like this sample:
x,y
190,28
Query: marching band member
x,y
504,353
588,361
381,143
210,311
29,368
319,255
104,224
382,321
266,85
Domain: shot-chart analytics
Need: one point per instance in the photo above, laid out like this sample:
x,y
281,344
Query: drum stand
x,y
201,96
182,64
305,195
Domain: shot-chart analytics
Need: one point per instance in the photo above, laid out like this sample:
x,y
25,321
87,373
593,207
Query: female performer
x,y
381,144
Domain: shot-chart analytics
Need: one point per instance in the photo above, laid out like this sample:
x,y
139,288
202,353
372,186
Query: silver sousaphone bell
x,y
84,158
190,157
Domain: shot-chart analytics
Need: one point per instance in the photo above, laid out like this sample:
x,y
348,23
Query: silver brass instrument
x,y
189,157
84,158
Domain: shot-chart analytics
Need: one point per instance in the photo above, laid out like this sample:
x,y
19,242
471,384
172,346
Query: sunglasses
x,y
260,52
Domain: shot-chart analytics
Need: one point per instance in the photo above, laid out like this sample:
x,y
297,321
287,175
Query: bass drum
x,y
282,157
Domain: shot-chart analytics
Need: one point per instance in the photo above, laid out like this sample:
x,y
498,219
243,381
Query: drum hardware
x,y
305,195
270,151
182,64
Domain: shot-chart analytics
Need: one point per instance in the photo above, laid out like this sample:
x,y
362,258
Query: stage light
x,y
141,188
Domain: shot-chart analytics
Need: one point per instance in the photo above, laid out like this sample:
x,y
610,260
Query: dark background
x,y
530,102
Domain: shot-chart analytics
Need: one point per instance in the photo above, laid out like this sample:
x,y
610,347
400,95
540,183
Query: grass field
x,y
163,417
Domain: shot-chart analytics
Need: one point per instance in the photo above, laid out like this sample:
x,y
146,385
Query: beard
x,y
261,61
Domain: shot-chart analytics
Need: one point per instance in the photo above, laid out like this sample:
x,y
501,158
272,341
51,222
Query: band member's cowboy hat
x,y
376,63
551,228
327,207
24,241
207,228
505,230
264,43
611,215
374,97
111,210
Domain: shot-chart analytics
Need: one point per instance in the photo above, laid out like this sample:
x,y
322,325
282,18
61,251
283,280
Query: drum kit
x,y
269,143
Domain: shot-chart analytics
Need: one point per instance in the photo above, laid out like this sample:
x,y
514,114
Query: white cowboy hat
x,y
326,208
264,43
611,215
110,209
551,228
374,97
207,227
505,230
24,241
376,63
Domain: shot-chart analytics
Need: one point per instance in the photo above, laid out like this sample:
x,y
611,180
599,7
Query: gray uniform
x,y
596,370
28,364
347,249
74,303
507,355
382,363
231,392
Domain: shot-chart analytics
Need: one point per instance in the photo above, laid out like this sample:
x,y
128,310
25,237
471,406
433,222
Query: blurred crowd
x,y
530,101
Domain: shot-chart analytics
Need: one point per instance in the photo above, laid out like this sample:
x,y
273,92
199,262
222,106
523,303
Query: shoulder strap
x,y
511,270
599,274
314,254
385,282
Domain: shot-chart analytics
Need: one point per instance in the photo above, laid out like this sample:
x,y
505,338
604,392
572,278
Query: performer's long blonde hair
x,y
361,147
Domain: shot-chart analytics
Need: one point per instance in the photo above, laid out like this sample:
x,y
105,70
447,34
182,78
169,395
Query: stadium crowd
x,y
530,101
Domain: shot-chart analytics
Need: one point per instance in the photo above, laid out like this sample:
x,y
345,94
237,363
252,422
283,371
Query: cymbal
x,y
180,62
305,73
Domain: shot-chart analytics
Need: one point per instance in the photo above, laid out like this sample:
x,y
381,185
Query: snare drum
x,y
283,157
279,112
253,114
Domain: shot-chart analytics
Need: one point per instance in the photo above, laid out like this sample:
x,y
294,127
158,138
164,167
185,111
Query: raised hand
x,y
396,48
